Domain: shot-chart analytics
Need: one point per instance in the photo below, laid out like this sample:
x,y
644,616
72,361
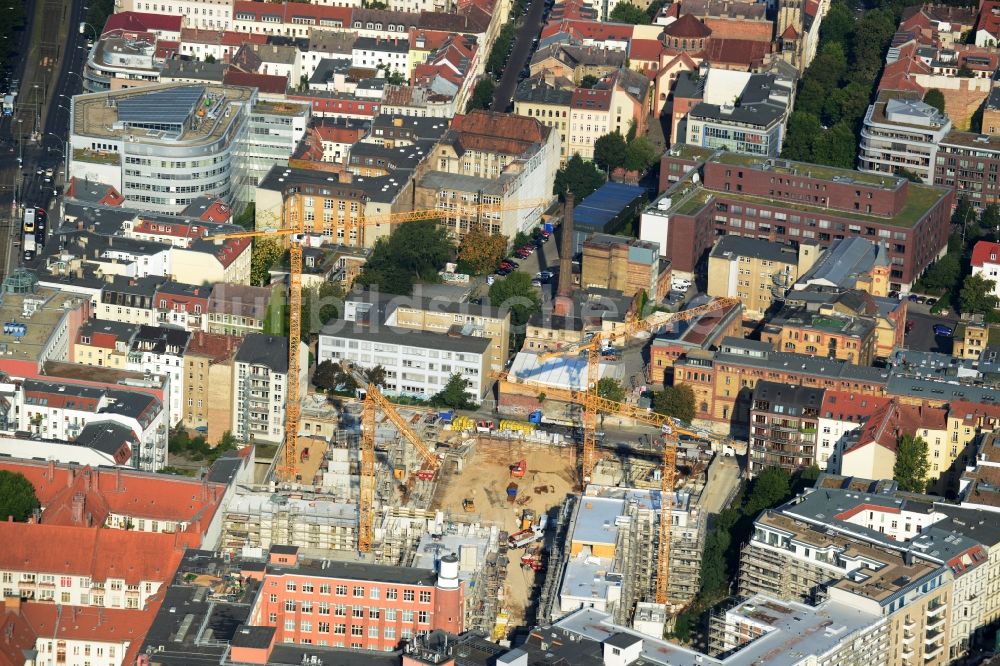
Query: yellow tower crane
x,y
293,225
592,404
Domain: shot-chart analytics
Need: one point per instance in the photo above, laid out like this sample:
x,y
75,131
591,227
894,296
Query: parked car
x,y
511,262
536,283
909,325
931,301
544,275
504,271
943,331
912,298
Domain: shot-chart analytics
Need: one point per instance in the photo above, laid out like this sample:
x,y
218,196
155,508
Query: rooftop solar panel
x,y
171,107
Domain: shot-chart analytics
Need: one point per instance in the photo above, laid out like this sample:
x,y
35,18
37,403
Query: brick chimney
x,y
563,303
79,501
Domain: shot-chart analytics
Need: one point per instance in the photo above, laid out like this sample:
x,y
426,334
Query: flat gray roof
x,y
405,336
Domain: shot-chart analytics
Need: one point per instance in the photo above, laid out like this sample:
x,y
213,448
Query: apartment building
x,y
748,117
624,264
921,565
614,105
799,330
850,263
276,128
496,159
122,499
128,300
235,309
59,410
123,60
535,97
784,422
902,133
986,263
871,451
140,141
440,316
758,272
207,14
681,338
260,387
182,305
261,519
971,338
160,351
968,163
103,343
723,379
103,636
209,361
841,414
417,363
351,605
787,202
86,565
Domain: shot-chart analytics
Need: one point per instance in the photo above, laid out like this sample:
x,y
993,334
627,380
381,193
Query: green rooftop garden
x,y
810,170
95,156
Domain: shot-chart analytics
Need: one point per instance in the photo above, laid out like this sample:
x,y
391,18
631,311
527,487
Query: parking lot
x,y
922,337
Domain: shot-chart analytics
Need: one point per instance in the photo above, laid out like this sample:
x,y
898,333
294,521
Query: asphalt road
x,y
519,56
48,151
922,337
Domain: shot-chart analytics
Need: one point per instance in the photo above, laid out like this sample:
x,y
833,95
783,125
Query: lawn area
x,y
276,319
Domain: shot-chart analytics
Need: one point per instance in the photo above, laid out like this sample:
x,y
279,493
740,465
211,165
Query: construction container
x,y
512,492
527,518
462,424
518,427
426,475
399,472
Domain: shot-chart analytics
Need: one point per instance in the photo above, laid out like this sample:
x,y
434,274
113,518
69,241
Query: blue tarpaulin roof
x,y
602,206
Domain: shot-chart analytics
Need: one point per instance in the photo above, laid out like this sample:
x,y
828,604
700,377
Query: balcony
x,y
929,655
909,622
934,624
934,609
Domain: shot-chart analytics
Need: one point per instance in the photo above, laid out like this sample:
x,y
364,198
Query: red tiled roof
x,y
91,551
119,492
592,30
811,7
223,38
790,33
266,83
886,425
16,632
142,22
989,18
688,27
89,624
746,52
972,412
497,132
217,346
288,10
645,49
847,406
984,251
166,49
590,98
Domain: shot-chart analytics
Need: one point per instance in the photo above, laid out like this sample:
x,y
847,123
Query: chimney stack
x,y
79,500
563,302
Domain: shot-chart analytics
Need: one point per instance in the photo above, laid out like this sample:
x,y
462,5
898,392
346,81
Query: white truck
x,y
8,106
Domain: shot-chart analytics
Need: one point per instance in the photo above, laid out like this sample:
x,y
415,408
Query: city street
x,y
519,56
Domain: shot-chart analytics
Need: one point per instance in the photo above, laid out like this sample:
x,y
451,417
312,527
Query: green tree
x,y
453,395
17,496
640,154
800,142
943,274
375,375
990,219
210,58
497,61
676,401
415,250
770,488
829,66
579,177
395,78
266,252
227,442
812,97
963,212
910,470
977,295
935,98
610,389
589,81
325,376
610,151
965,72
847,104
836,147
838,26
482,95
908,175
626,12
480,252
871,39
516,294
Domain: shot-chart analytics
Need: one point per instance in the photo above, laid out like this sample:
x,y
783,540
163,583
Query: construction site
x,y
541,520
